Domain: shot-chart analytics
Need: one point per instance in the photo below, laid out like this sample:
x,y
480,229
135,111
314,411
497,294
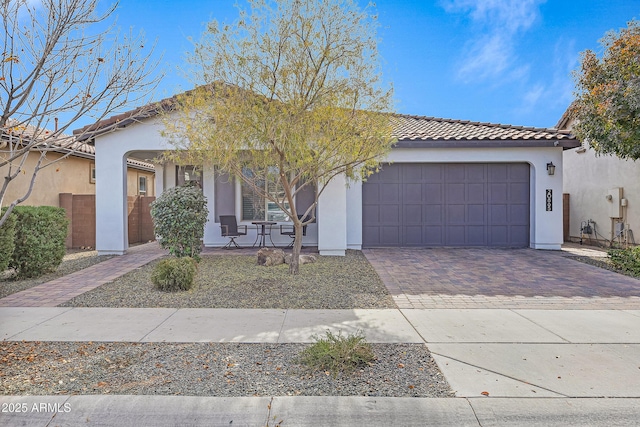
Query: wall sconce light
x,y
551,168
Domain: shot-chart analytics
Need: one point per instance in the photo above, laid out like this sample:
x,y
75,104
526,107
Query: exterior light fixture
x,y
551,168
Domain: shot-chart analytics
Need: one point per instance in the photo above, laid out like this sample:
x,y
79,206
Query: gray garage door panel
x,y
447,204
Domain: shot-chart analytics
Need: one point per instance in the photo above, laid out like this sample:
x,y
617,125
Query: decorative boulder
x,y
304,259
269,257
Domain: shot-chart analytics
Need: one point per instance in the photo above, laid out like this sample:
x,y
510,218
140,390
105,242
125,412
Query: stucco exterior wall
x,y
339,215
111,181
587,179
133,176
70,175
545,226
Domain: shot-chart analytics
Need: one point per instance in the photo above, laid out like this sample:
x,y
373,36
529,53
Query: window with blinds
x,y
255,207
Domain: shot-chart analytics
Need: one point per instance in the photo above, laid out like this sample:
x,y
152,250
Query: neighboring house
x,y
70,183
449,183
603,194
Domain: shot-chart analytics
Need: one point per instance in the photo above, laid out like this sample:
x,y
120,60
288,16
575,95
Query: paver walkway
x,y
62,289
499,278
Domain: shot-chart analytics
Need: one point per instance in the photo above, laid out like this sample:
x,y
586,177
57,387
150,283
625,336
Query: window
x,y
142,185
257,208
188,174
92,173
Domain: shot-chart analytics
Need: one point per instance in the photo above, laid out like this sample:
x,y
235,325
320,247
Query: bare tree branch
x,y
57,65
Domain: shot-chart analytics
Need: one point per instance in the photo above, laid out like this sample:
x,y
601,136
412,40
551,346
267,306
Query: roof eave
x,y
486,143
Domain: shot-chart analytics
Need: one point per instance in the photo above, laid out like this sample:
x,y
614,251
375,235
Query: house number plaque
x,y
549,200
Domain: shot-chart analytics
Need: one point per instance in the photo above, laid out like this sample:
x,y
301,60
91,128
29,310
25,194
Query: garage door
x,y
447,204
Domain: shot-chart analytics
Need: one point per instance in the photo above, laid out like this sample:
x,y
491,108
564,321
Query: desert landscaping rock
x,y
237,282
208,369
270,257
303,259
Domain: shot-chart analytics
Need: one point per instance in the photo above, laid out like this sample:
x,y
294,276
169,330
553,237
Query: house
x,y
70,183
445,183
601,193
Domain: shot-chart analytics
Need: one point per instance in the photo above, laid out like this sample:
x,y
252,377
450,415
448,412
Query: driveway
x,y
499,278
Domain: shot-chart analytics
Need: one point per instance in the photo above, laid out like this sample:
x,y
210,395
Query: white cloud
x,y
558,92
532,97
497,23
513,15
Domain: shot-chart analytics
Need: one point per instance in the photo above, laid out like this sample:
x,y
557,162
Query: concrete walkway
x,y
159,411
538,367
507,353
514,366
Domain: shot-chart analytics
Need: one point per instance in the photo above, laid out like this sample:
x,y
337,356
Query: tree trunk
x,y
294,265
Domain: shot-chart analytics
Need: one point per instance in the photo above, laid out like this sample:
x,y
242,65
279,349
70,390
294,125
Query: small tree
x,y
179,216
607,109
292,97
55,69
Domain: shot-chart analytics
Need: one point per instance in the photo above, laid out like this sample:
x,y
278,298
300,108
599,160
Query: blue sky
x,y
500,61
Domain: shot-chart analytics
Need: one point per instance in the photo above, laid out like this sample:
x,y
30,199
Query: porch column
x,y
332,218
211,230
546,215
159,179
354,215
111,201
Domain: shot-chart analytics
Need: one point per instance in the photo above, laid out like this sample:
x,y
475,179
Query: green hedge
x,y
7,240
41,232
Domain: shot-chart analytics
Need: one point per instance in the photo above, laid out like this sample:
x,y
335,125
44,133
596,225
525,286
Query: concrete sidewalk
x,y
539,367
506,353
161,411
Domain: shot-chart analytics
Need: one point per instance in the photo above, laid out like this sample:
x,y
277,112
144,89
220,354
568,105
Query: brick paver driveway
x,y
499,278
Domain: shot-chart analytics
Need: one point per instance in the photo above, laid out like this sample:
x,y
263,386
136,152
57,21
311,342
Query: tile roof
x,y
420,128
566,121
61,143
406,128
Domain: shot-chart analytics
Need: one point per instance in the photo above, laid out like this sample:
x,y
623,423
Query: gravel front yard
x,y
235,281
221,369
224,369
208,369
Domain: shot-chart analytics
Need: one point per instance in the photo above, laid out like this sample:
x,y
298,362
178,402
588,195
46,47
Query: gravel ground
x,y
224,369
73,261
237,282
208,369
600,262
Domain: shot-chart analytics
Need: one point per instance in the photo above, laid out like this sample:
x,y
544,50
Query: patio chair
x,y
289,230
230,229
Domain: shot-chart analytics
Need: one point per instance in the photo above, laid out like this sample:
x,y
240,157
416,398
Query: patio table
x,y
261,233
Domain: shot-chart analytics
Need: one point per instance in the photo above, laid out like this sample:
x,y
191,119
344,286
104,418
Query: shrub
x,y
7,240
41,232
336,353
179,215
174,274
627,260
